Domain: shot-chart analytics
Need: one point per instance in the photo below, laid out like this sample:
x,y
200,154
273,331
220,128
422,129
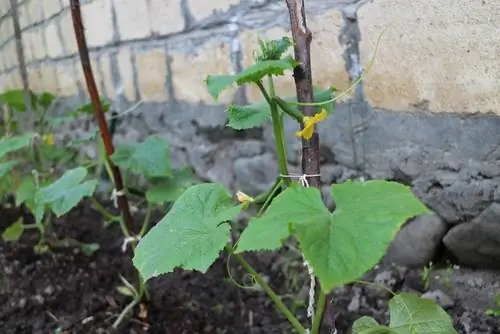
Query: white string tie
x,y
114,196
302,178
128,240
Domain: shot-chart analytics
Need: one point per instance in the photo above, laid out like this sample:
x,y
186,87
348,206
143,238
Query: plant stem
x,y
291,111
277,128
147,221
99,112
98,206
267,289
270,197
318,315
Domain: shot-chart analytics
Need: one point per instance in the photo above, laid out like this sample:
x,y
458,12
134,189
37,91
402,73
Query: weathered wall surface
x,y
425,115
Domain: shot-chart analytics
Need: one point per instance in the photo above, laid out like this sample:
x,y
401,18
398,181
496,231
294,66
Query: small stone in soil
x,y
440,298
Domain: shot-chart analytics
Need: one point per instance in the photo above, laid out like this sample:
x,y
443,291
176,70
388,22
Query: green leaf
x,y
411,314
348,243
264,68
150,158
72,197
6,167
255,115
88,109
191,235
14,231
246,117
26,192
85,139
368,325
169,190
341,246
89,249
45,100
66,192
15,99
68,180
12,144
273,49
217,83
268,232
321,96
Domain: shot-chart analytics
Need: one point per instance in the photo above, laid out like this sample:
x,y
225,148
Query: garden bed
x,y
67,291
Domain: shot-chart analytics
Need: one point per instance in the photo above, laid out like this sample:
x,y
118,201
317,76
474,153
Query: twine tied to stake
x,y
114,196
128,240
301,177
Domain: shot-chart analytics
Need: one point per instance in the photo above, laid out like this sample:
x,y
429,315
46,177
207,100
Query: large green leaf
x,y
25,193
191,235
15,99
12,144
150,158
66,192
246,117
343,245
368,325
72,197
45,100
170,189
268,232
264,68
88,109
411,314
255,115
217,83
68,180
6,167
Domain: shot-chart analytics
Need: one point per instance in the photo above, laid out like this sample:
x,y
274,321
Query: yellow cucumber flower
x,y
244,198
48,139
309,123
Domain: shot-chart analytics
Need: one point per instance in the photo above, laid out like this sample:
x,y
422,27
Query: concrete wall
x,y
441,55
425,115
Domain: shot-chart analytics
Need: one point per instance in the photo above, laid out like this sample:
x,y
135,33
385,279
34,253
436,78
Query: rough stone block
x,y
27,47
190,70
54,44
433,56
201,9
98,22
24,18
132,19
107,77
126,70
151,69
165,16
50,7
66,78
48,78
68,34
35,11
7,28
38,43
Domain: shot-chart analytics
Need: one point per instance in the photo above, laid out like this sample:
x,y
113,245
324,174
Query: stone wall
x,y
426,114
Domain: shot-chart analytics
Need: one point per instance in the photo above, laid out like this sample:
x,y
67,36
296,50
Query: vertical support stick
x,y
99,113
